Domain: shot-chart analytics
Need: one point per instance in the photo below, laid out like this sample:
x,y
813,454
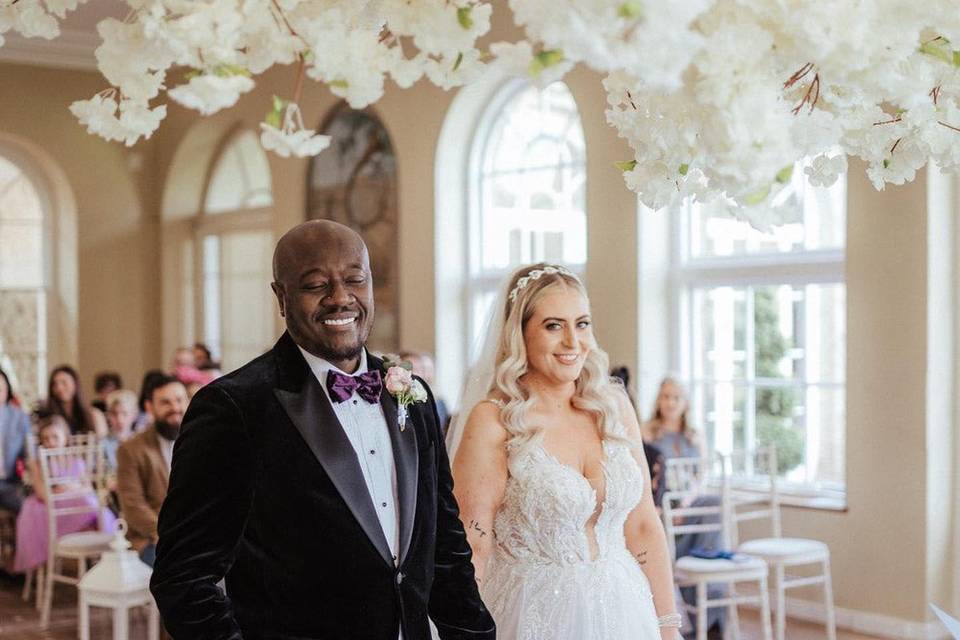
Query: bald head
x,y
313,235
322,280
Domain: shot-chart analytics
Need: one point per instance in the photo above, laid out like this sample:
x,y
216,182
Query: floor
x,y
20,620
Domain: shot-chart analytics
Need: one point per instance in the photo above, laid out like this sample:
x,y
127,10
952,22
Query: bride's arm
x,y
480,479
644,532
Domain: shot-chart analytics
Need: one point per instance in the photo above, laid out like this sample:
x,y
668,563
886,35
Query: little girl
x,y
33,535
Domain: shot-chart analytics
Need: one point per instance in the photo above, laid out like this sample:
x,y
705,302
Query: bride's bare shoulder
x,y
485,419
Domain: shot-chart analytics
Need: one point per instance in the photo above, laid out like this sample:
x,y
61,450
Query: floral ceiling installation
x,y
717,98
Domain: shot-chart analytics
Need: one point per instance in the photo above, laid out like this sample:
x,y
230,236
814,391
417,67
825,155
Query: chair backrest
x,y
70,476
753,490
682,512
685,474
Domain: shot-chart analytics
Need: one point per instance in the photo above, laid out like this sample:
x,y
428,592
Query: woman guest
x,y
14,427
670,431
64,398
33,534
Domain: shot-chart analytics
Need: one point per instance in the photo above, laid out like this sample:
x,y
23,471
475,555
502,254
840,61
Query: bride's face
x,y
559,335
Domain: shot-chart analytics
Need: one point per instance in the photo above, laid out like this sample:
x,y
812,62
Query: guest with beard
x,y
143,465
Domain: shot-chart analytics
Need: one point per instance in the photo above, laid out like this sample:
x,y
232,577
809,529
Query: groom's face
x,y
325,293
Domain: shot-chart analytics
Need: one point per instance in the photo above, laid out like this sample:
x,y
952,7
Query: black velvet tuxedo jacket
x,y
266,492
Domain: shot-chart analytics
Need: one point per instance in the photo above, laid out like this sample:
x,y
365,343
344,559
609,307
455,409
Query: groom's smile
x,y
325,291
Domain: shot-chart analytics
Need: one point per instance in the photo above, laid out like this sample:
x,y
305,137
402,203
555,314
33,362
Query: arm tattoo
x,y
642,558
476,527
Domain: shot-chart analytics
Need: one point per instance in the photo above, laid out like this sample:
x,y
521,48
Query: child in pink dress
x,y
33,535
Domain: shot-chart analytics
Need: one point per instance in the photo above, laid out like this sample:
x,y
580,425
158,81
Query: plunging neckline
x,y
599,506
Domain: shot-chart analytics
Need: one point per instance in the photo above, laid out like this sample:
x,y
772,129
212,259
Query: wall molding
x,y
72,49
866,622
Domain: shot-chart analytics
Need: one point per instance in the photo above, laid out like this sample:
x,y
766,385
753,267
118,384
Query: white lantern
x,y
119,581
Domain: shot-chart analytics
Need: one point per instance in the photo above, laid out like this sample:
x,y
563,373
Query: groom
x,y
293,480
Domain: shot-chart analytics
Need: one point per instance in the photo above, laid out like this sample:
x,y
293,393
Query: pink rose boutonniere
x,y
401,385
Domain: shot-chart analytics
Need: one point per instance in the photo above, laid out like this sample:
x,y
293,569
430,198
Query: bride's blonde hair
x,y
594,392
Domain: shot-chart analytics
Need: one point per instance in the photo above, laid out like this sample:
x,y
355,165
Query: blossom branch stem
x,y
891,121
895,145
948,126
301,73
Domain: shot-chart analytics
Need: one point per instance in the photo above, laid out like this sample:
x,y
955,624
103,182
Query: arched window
x,y
23,317
528,178
236,249
762,328
354,182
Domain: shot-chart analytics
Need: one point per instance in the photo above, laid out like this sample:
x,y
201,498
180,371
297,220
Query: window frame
x,y
479,281
796,268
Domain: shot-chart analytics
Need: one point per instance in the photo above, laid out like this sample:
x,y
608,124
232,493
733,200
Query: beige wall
x,y
118,297
132,227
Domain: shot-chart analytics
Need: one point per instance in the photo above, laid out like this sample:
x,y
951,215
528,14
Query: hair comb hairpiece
x,y
536,274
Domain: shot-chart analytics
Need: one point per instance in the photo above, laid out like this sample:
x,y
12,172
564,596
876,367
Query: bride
x,y
551,478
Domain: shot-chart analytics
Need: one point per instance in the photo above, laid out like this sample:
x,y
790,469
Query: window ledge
x,y
823,500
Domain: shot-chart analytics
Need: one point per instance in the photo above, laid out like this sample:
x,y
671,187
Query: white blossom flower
x,y
824,170
126,121
209,93
291,138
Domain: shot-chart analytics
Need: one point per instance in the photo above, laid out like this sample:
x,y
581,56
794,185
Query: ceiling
x,y
78,38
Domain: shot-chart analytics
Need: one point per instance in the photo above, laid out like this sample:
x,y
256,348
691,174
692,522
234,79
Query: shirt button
x,y
372,451
383,504
399,577
354,402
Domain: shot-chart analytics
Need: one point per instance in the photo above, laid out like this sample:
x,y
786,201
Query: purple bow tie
x,y
366,385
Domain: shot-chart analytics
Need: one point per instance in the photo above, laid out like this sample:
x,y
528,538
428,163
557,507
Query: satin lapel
x,y
407,462
311,413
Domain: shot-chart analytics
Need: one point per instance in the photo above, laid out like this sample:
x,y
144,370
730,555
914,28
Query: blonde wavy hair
x,y
595,393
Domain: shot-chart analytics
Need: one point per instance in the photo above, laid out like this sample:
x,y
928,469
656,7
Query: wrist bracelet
x,y
670,620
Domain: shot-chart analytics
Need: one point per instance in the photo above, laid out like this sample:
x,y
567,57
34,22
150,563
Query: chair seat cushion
x,y
85,541
784,548
689,565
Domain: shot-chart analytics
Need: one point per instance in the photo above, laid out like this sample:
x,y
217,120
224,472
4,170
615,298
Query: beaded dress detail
x,y
561,569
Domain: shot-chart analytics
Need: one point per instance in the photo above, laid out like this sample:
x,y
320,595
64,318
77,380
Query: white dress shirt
x,y
366,428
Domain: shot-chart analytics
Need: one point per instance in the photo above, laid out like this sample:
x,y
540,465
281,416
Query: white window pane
x,y
815,219
241,178
21,254
247,306
530,185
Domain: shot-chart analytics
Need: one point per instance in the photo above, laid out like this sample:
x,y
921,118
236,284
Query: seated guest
x,y
203,358
150,379
33,533
143,465
655,460
187,371
121,418
669,428
105,383
65,398
14,427
670,431
423,366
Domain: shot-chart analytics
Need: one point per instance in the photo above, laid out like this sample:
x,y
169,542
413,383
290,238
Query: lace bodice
x,y
548,506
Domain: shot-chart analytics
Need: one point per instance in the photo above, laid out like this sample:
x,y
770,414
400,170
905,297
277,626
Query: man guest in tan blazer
x,y
143,465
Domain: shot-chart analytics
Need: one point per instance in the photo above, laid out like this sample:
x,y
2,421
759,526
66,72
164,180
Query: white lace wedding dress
x,y
546,581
